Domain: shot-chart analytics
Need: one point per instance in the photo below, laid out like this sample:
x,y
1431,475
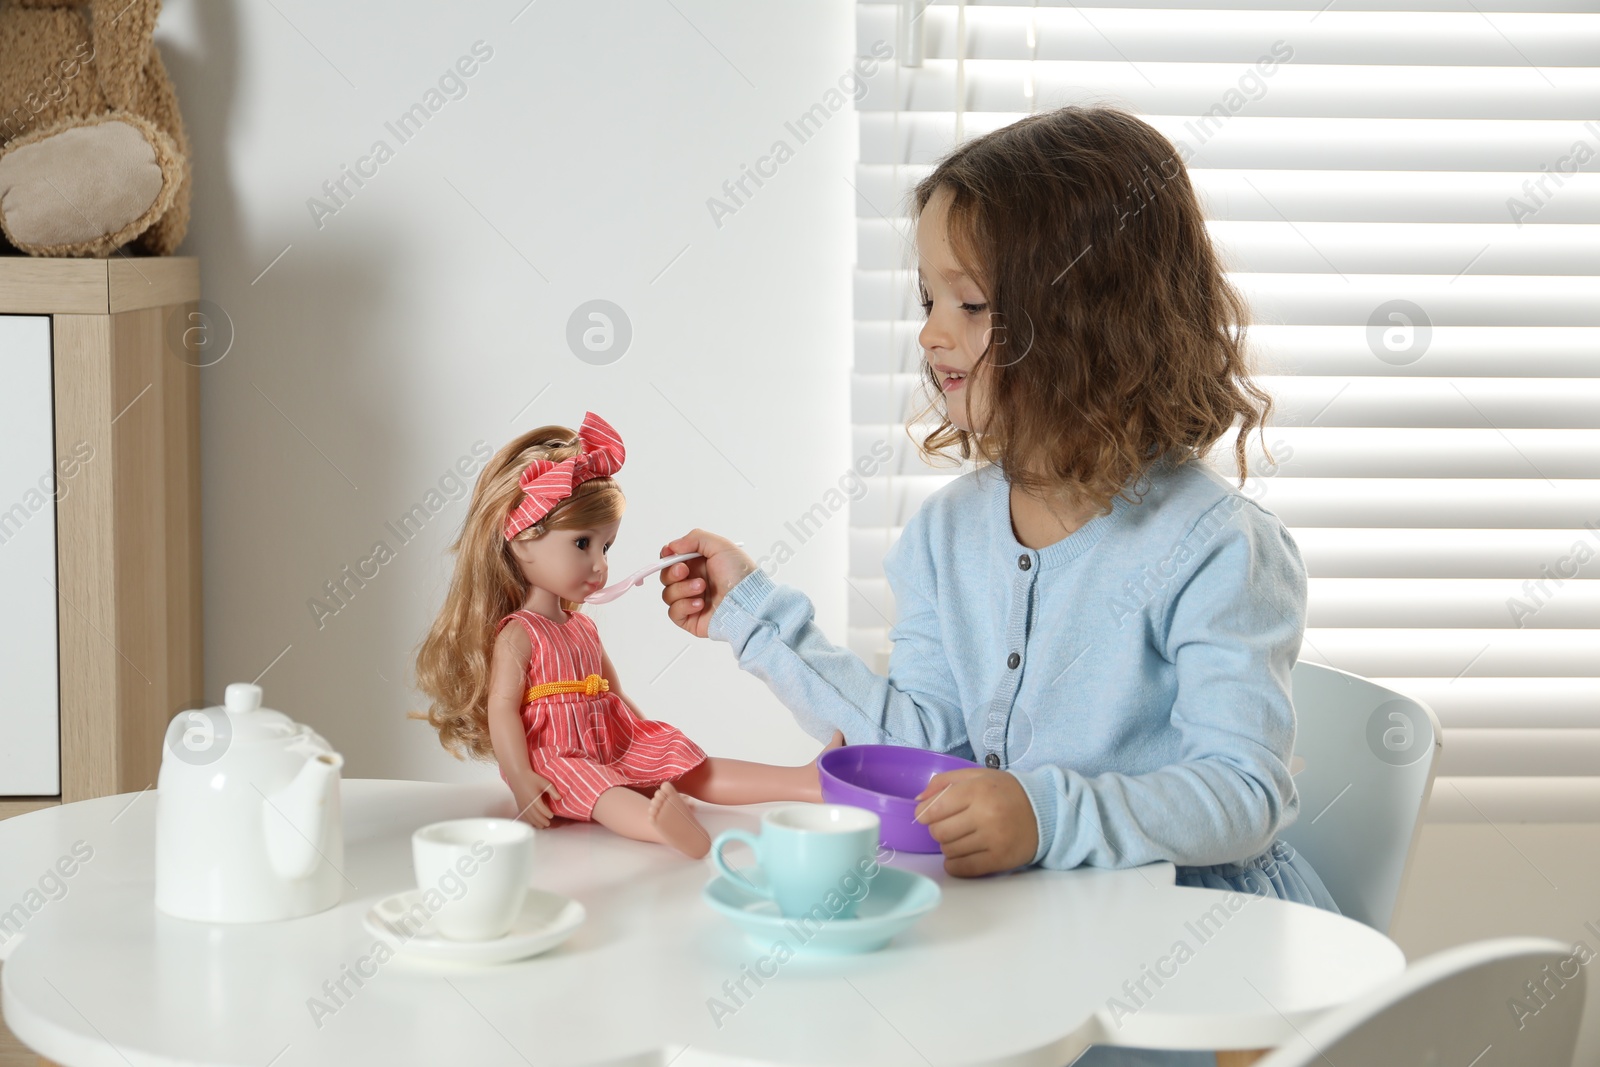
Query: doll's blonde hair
x,y
452,666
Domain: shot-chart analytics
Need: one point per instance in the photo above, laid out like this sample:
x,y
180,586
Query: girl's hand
x,y
531,805
982,819
693,589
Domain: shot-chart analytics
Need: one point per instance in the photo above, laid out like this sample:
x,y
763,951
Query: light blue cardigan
x,y
1133,676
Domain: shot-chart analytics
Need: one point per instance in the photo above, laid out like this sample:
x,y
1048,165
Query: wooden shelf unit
x,y
128,533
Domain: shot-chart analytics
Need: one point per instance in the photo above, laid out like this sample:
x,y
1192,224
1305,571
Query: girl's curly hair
x,y
1117,341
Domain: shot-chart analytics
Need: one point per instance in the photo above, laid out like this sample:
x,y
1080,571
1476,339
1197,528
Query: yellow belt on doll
x,y
593,685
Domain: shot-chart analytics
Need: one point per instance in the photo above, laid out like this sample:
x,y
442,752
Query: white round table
x,y
1025,968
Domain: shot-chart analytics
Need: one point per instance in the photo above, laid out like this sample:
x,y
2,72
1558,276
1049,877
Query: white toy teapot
x,y
248,826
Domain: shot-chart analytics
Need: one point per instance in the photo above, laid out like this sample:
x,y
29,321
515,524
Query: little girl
x,y
542,696
1104,625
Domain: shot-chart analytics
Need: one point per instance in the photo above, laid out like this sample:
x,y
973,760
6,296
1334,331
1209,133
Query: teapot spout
x,y
296,816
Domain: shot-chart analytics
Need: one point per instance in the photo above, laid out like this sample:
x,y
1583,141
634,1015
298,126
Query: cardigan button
x,y
1024,562
1012,660
992,760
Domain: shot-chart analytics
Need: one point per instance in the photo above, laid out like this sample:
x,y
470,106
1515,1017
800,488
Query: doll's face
x,y
959,325
568,563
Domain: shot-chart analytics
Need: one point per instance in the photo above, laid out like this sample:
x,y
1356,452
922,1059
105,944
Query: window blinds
x,y
1410,201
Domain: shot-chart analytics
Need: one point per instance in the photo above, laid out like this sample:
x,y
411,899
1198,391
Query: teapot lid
x,y
252,722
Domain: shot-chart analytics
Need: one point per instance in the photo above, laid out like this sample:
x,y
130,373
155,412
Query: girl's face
x,y
959,324
568,563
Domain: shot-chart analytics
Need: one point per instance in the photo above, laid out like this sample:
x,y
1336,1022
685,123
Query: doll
x,y
515,671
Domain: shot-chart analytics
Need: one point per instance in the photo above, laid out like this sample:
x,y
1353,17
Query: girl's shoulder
x,y
1167,504
963,492
1194,500
954,519
960,505
1198,518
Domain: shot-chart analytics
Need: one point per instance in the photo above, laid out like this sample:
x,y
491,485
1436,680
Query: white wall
x,y
410,324
1471,881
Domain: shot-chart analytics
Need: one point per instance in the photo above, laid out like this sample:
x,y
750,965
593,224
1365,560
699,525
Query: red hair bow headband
x,y
546,483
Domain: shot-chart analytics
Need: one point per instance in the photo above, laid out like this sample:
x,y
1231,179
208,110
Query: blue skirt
x,y
1279,872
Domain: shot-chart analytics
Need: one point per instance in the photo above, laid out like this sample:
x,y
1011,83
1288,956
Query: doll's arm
x,y
507,680
610,673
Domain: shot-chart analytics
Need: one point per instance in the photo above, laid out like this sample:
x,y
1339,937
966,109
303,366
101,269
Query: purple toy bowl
x,y
885,779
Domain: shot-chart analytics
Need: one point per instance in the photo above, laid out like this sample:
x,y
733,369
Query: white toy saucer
x,y
546,920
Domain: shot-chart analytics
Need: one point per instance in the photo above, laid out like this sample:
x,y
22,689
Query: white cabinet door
x,y
31,481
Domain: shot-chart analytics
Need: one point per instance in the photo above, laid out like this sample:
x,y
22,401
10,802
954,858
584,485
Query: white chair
x,y
1466,1005
1370,756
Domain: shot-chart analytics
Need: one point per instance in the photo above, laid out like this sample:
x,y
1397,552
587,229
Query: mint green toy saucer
x,y
895,899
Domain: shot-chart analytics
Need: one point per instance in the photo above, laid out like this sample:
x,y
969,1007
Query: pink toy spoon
x,y
616,589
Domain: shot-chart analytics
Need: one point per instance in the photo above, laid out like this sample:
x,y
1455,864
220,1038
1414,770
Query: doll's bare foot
x,y
670,815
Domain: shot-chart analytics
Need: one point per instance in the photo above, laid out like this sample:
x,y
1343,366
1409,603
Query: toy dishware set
x,y
808,860
885,780
817,883
247,815
248,822
473,903
248,829
634,580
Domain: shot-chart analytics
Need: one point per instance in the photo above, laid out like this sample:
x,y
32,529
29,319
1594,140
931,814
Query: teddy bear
x,y
93,154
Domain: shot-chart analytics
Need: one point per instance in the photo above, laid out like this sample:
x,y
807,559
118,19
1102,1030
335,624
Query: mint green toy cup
x,y
818,859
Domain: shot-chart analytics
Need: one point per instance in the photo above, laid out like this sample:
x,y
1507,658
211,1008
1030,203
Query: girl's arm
x,y
1232,627
827,687
508,676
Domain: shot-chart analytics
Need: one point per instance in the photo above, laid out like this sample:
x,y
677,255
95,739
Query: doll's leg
x,y
663,818
737,781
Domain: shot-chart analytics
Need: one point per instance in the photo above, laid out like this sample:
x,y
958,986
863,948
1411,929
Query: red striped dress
x,y
588,744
